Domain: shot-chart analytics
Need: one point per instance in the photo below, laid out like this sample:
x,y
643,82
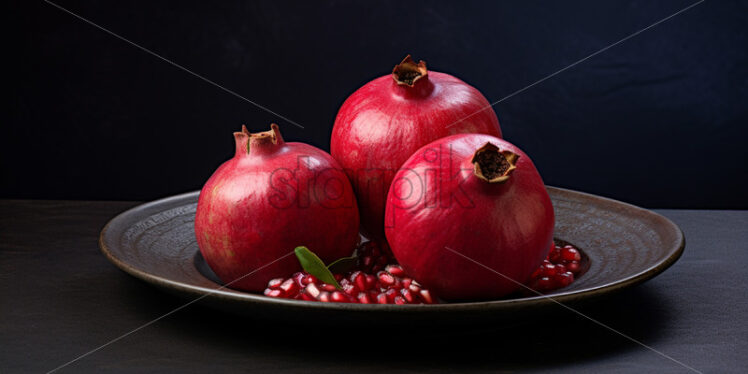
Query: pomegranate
x,y
469,217
269,198
381,124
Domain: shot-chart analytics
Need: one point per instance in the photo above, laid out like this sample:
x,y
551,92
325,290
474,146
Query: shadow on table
x,y
556,337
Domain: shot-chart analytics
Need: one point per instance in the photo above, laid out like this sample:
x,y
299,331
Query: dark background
x,y
659,120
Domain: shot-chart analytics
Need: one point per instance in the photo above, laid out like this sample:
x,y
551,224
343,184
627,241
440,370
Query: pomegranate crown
x,y
493,165
259,142
408,72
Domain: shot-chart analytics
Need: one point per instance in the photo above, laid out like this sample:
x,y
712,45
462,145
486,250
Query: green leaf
x,y
314,266
342,265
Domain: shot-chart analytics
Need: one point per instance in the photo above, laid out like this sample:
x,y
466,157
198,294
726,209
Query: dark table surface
x,y
60,299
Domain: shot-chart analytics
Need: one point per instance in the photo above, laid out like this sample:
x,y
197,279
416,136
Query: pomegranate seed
x,y
398,284
367,261
386,278
391,294
309,279
275,283
406,282
324,297
407,295
350,289
298,277
338,277
414,288
399,300
548,270
273,293
555,255
307,297
289,286
560,269
371,281
327,287
382,298
426,297
544,283
312,290
338,297
395,270
574,267
363,298
570,254
360,281
564,279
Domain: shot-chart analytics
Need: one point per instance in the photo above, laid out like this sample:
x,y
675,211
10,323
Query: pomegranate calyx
x,y
263,142
408,72
493,165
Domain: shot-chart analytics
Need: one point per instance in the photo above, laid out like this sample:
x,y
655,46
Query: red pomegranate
x,y
270,198
381,124
468,216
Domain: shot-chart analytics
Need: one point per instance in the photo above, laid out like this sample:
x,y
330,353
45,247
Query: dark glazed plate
x,y
625,245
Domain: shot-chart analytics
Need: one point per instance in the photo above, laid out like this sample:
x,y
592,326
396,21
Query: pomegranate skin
x,y
381,124
268,199
439,204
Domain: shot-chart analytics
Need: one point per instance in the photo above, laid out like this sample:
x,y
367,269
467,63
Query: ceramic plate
x,y
623,245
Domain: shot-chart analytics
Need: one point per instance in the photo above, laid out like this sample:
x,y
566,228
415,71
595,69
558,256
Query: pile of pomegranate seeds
x,y
558,270
389,286
376,279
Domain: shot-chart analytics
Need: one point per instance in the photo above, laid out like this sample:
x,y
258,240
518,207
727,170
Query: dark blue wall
x,y
659,120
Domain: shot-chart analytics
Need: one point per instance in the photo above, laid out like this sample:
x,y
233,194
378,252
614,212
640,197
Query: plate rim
x,y
235,296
